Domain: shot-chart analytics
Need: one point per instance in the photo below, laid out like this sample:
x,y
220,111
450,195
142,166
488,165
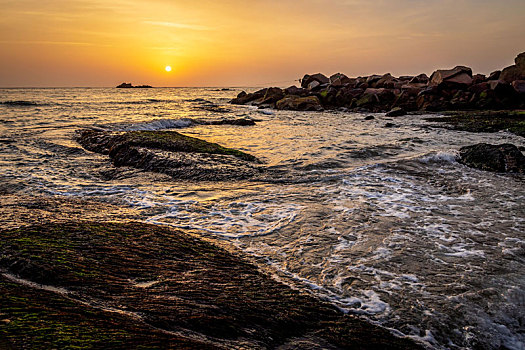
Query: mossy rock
x,y
129,285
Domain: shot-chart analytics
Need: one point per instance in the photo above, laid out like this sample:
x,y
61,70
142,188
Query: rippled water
x,y
381,221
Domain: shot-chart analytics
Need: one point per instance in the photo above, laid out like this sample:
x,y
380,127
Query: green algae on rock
x,y
171,153
91,285
484,121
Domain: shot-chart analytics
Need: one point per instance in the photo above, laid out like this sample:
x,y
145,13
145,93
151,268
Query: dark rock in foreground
x,y
130,86
171,153
121,286
498,158
446,89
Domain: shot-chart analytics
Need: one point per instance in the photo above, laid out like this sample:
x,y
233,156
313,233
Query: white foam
x,y
440,157
159,124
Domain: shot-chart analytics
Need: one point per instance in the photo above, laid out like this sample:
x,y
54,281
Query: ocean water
x,y
380,221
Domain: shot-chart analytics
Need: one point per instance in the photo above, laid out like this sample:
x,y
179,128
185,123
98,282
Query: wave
x,y
160,124
440,157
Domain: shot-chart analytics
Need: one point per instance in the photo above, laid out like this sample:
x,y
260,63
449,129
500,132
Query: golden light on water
x,y
168,68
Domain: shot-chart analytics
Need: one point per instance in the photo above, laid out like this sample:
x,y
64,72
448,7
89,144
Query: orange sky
x,y
248,43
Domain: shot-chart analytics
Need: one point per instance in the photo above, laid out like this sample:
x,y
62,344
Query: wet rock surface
x,y
446,89
171,153
499,158
128,285
484,121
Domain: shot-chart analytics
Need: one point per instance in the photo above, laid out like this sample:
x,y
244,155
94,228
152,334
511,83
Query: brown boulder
x,y
339,79
520,62
511,73
519,86
297,103
320,78
420,79
478,78
413,89
494,75
459,76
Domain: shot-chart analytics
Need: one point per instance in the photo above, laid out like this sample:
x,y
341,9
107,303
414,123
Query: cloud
x,y
178,25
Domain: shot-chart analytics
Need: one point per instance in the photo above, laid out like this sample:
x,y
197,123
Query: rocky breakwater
x,y
129,286
171,153
445,89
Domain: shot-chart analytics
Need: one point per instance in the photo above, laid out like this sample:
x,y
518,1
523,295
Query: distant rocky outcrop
x,y
171,153
130,86
446,89
498,158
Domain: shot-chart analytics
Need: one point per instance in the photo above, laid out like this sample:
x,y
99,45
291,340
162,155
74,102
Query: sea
x,y
374,216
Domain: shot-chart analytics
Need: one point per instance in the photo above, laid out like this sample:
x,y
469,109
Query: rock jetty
x,y
446,89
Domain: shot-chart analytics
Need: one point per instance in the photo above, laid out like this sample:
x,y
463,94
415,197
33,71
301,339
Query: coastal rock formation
x,y
130,86
297,103
171,153
446,89
110,285
498,158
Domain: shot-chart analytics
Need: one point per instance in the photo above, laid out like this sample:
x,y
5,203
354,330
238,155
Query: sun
x,y
168,68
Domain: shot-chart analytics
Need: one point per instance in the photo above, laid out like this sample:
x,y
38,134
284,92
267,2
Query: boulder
x,y
413,89
339,79
298,103
520,62
345,96
479,88
294,90
320,78
420,79
498,158
494,75
314,85
459,76
386,81
396,112
478,78
519,86
271,96
511,73
373,79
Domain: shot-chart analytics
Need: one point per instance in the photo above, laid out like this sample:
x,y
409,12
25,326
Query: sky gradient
x,y
47,43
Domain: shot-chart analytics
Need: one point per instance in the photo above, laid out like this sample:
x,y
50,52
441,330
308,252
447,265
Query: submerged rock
x,y
396,112
171,153
110,285
498,158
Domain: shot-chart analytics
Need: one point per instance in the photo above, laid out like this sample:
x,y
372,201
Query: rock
x,y
396,112
420,79
171,153
494,75
519,86
459,76
167,289
239,122
346,95
511,73
339,79
271,96
479,88
314,85
370,117
294,90
373,79
387,81
389,125
520,62
298,103
320,78
130,86
478,78
498,158
413,89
